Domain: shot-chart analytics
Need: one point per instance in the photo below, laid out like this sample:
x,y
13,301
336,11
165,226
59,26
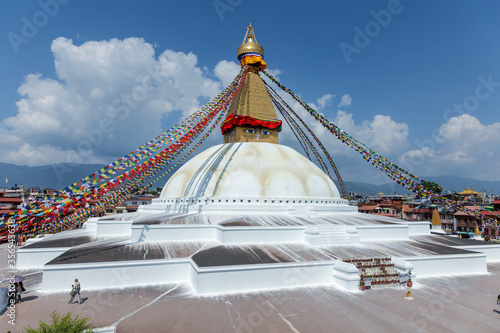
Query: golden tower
x,y
251,116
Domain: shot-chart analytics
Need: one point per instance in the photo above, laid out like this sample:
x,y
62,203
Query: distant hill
x,y
366,188
58,176
458,184
448,182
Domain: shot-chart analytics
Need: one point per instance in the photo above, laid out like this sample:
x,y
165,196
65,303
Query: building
x,y
132,204
248,215
11,200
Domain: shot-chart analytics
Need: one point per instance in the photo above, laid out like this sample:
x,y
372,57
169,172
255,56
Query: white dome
x,y
250,169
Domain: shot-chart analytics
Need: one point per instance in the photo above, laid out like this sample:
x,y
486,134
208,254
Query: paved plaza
x,y
440,304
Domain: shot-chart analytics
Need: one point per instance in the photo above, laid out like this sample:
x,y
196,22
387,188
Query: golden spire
x,y
251,117
251,53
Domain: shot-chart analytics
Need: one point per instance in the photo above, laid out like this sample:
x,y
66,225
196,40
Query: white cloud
x,y
322,102
345,100
274,73
226,71
108,98
464,146
382,134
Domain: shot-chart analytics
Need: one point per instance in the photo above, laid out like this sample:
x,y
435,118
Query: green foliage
x,y
63,324
431,186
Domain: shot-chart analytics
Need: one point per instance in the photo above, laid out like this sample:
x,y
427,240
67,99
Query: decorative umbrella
x,y
19,278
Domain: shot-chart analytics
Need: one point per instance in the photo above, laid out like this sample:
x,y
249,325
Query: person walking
x,y
75,291
19,292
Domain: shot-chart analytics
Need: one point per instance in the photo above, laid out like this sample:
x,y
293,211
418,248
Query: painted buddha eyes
x,y
252,131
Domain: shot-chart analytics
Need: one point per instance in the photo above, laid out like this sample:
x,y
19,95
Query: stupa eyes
x,y
253,131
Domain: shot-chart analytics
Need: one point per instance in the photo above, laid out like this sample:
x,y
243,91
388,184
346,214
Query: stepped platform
x,y
228,255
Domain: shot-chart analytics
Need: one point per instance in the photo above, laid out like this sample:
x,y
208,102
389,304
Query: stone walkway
x,y
446,304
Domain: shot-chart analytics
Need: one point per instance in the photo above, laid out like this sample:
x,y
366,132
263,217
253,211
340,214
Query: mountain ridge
x,y
60,175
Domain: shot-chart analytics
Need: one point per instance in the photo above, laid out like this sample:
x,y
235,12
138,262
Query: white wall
x,y
113,228
454,264
419,228
115,274
37,257
492,251
226,235
257,235
346,275
265,276
204,280
173,232
383,232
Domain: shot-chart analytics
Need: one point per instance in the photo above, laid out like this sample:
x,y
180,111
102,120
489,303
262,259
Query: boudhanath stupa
x,y
248,214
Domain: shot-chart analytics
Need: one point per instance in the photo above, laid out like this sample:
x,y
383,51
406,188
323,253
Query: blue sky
x,y
421,82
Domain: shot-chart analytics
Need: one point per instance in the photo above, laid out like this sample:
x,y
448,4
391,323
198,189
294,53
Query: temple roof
x,y
468,191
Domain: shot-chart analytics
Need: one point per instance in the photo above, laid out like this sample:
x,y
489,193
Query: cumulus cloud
x,y
108,97
322,102
226,71
345,100
463,146
382,134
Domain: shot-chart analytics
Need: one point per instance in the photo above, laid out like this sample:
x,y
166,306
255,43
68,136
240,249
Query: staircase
x,y
326,235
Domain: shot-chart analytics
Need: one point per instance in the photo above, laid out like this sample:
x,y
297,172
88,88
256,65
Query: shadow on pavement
x,y
29,298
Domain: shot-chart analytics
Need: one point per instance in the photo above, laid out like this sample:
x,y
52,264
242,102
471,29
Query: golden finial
x,y
251,35
249,44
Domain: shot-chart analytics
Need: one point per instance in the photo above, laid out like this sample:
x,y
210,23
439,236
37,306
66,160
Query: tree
x,y
66,324
431,186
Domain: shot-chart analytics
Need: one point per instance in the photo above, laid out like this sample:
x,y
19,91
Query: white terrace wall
x,y
451,264
223,279
226,235
492,251
116,274
37,257
173,232
383,232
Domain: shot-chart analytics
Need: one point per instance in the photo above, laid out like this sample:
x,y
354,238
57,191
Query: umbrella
x,y
19,278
